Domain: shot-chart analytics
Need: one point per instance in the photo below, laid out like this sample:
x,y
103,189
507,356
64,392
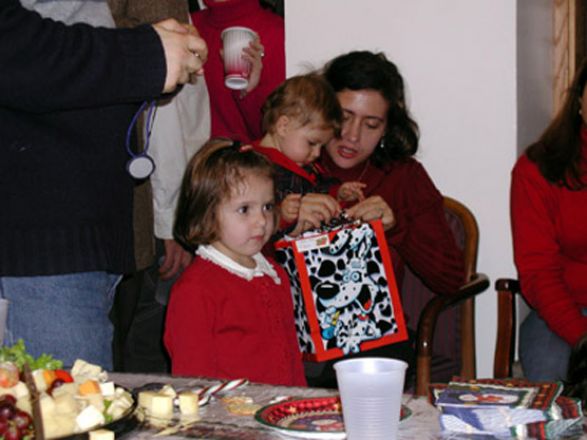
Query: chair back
x,y
451,351
503,359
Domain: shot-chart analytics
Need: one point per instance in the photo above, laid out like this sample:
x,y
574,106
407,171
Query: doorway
x,y
570,44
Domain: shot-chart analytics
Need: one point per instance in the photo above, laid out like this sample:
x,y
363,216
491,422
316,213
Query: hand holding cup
x,y
238,62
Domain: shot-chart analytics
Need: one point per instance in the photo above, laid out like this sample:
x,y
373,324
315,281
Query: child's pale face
x,y
246,219
302,143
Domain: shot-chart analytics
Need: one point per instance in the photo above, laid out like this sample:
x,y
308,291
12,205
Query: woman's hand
x,y
315,209
373,208
254,55
351,192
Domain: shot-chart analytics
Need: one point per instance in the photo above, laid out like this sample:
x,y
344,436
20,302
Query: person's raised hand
x,y
175,260
373,208
314,209
185,52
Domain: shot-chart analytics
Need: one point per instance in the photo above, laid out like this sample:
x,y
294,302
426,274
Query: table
x,y
218,423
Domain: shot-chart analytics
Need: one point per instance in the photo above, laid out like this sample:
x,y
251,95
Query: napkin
x,y
507,408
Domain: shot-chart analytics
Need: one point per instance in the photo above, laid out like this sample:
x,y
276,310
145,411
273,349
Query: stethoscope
x,y
141,165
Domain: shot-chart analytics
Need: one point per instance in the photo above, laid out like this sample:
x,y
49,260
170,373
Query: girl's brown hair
x,y
558,151
306,98
211,176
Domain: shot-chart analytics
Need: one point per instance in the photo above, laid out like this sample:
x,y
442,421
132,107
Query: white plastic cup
x,y
236,69
3,317
371,393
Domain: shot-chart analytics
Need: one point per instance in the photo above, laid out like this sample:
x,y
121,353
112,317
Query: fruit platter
x,y
65,403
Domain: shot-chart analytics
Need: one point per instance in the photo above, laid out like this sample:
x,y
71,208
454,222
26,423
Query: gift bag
x,y
344,290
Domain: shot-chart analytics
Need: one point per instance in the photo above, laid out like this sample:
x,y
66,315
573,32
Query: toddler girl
x,y
299,117
230,314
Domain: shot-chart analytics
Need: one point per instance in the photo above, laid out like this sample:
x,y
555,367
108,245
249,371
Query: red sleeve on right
x,y
537,253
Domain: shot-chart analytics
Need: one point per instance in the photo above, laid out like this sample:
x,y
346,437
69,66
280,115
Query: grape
x,y
12,433
22,419
56,384
3,426
8,398
7,411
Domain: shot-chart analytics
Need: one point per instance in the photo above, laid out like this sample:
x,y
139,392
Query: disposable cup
x,y
371,393
236,68
3,317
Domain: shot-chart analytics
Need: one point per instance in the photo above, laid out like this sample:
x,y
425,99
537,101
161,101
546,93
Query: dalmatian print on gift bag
x,y
344,290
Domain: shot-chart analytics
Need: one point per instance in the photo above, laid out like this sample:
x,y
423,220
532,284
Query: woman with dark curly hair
x,y
377,143
548,209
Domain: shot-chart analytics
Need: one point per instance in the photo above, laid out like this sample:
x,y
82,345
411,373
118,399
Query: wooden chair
x,y
506,289
451,350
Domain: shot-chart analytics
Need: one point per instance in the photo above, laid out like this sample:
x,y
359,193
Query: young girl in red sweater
x,y
230,314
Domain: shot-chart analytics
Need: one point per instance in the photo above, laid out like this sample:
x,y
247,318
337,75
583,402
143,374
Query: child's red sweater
x,y
221,325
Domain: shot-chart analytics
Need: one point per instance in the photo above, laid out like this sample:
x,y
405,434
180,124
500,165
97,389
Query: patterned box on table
x,y
344,290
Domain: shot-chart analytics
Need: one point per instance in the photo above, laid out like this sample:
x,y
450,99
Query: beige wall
x,y
460,64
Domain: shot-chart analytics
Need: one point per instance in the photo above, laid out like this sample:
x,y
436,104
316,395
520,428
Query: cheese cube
x,y
89,418
188,403
83,371
161,406
67,388
39,379
24,404
19,390
65,404
124,398
59,425
107,389
101,434
47,405
167,390
145,399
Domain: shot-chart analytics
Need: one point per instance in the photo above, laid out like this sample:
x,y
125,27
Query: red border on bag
x,y
321,354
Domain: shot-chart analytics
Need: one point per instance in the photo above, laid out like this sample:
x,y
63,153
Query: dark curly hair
x,y
360,70
558,151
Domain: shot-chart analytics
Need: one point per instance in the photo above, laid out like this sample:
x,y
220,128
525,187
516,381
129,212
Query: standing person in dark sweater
x,y
376,145
180,128
67,96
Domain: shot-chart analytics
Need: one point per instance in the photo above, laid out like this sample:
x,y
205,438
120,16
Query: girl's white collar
x,y
263,267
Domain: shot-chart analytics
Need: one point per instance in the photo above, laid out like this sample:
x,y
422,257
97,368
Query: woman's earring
x,y
382,143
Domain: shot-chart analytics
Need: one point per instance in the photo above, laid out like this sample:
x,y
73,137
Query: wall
x,y
459,61
534,77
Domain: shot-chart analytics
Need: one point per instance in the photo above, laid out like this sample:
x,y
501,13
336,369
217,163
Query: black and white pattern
x,y
350,291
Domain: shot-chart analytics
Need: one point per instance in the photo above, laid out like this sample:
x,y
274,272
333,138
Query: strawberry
x,y
64,376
